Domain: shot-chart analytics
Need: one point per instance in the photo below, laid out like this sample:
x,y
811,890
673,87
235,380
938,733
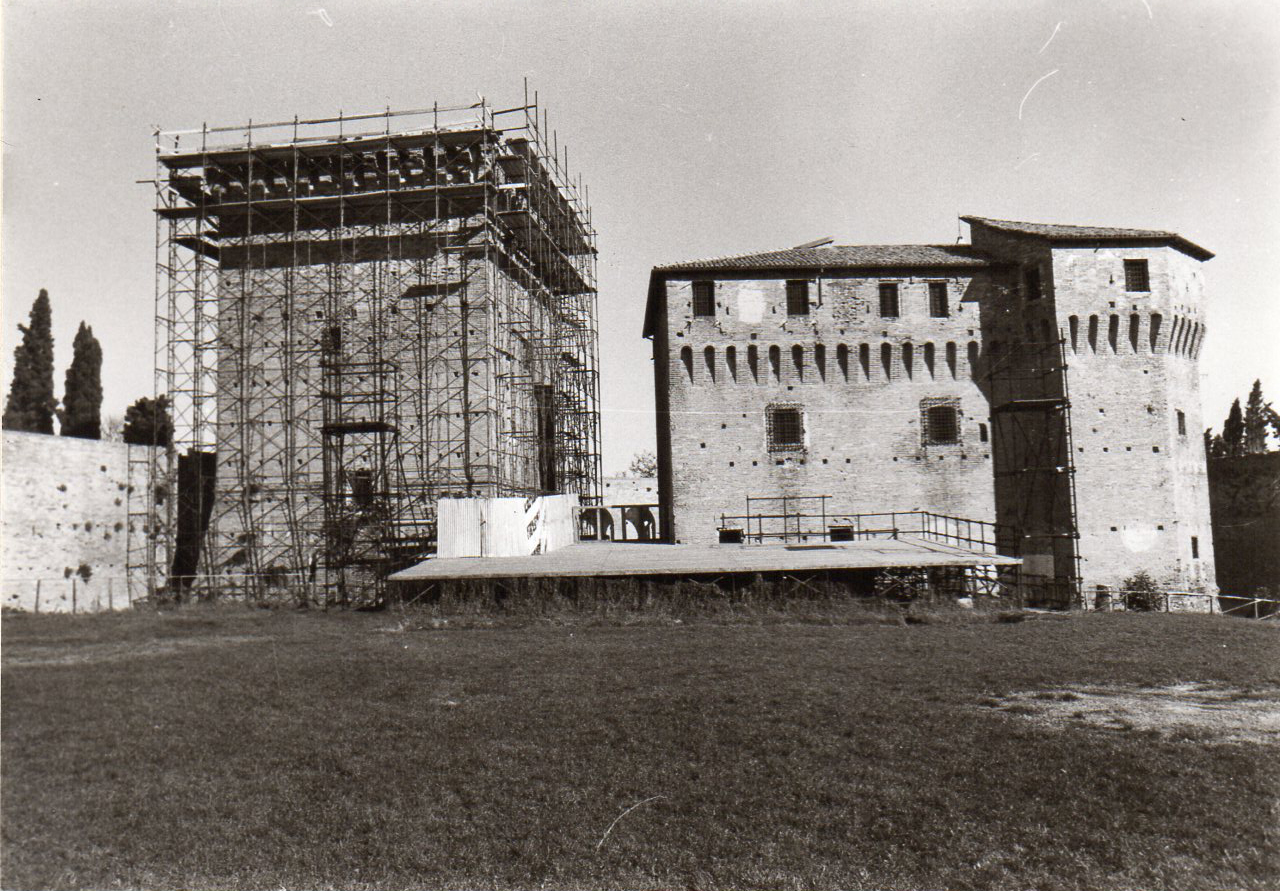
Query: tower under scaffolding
x,y
361,315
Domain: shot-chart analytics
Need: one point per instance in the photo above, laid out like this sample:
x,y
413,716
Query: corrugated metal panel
x,y
505,527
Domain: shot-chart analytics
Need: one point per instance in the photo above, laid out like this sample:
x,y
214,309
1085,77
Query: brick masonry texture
x,y
1141,484
65,505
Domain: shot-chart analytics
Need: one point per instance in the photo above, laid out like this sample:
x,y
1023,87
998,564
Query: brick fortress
x,y
1043,377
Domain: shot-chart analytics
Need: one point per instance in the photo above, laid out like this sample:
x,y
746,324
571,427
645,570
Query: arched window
x,y
1093,333
1073,324
686,356
1199,340
820,360
1113,333
797,360
928,358
951,358
973,358
908,358
1153,333
842,360
886,360
709,356
775,363
864,359
731,362
753,362
1175,341
1134,325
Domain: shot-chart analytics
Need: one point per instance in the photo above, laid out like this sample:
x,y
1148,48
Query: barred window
x,y
1136,277
940,421
889,300
704,298
784,428
938,300
797,298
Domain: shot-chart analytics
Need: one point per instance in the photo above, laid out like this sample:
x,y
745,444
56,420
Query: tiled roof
x,y
1055,232
843,256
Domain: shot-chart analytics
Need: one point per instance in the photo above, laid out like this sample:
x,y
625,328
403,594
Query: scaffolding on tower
x,y
361,315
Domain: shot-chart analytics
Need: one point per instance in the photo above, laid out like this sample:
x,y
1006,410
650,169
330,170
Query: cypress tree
x,y
1233,431
31,402
1257,417
81,413
147,422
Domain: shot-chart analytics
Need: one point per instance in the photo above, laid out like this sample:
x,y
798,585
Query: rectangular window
x,y
1031,282
938,300
704,298
1182,423
797,298
1135,276
888,300
784,428
940,421
1195,548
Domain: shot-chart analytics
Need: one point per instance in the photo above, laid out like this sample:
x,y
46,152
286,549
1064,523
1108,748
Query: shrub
x,y
1142,593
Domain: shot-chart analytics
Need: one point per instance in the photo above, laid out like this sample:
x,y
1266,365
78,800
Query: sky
x,y
702,129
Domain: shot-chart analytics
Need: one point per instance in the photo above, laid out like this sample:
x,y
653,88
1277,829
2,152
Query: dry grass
x,y
262,750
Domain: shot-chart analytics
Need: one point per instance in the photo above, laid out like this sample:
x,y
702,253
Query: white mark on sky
x,y
322,15
1051,36
1029,157
1148,6
1033,86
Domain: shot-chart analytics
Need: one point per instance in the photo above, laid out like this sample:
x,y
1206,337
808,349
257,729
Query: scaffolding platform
x,y
609,559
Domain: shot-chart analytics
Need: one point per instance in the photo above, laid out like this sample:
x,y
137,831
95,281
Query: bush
x,y
1142,593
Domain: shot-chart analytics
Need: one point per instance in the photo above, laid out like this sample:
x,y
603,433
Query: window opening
x,y
1073,323
982,432
1113,333
864,359
686,356
908,358
928,358
1153,335
784,428
1134,325
1195,548
938,308
1031,282
798,298
1093,333
888,300
1182,423
940,421
731,362
973,357
704,298
797,359
820,360
709,356
886,360
951,358
753,362
775,363
1136,277
842,360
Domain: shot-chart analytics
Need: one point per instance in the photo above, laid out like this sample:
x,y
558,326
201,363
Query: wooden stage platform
x,y
604,559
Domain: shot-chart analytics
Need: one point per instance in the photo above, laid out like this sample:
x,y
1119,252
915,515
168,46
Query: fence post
x,y
37,597
73,595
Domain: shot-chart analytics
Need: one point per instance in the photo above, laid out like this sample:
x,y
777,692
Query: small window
x,y
1031,282
982,433
938,300
1182,423
888,300
797,298
704,298
784,427
1135,276
940,421
1195,548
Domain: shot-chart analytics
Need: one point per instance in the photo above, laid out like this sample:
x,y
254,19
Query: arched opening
x,y
951,358
1134,325
908,359
731,362
775,363
1073,325
686,356
753,362
842,360
864,359
820,360
1113,332
1093,334
1153,332
709,357
973,358
928,358
797,360
886,360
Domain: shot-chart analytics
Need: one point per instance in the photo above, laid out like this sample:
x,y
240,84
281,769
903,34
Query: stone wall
x,y
65,515
860,381
1245,497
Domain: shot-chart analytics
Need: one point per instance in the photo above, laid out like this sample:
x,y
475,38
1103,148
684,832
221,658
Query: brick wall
x,y
65,522
859,379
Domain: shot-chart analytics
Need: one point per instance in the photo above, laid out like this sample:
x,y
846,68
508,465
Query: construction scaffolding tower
x,y
362,315
1026,383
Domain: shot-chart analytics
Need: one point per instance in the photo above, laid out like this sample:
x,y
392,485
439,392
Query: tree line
x,y
32,405
1244,432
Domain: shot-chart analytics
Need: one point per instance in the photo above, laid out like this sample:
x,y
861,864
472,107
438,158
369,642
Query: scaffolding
x,y
361,315
1026,383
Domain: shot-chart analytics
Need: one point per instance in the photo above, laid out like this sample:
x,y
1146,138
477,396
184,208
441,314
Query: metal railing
x,y
789,525
620,523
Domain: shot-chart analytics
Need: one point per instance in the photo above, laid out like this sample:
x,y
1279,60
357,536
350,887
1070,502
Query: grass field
x,y
241,749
